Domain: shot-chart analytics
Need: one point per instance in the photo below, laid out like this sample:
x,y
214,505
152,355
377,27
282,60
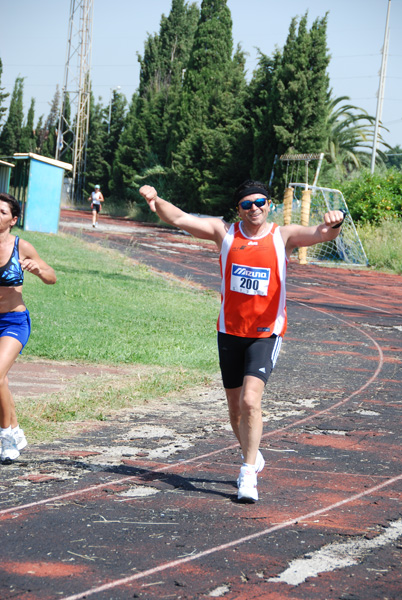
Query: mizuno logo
x,y
254,273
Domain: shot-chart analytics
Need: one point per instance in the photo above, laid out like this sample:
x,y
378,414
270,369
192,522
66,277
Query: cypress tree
x,y
114,131
131,154
211,126
290,115
68,136
145,143
260,105
48,135
11,132
28,138
96,166
3,96
165,59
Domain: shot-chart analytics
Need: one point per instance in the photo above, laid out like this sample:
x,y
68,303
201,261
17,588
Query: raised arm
x,y
209,228
30,261
297,236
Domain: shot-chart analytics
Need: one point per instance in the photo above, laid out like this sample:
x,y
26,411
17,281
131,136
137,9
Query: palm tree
x,y
351,137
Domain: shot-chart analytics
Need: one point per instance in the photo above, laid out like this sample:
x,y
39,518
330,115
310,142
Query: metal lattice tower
x,y
74,123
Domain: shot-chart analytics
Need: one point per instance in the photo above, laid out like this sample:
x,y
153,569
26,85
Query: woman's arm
x,y
30,261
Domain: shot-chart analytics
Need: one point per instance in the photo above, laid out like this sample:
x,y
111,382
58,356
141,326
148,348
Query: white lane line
x,y
231,446
242,540
336,556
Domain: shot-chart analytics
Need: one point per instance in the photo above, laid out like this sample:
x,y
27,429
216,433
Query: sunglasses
x,y
247,204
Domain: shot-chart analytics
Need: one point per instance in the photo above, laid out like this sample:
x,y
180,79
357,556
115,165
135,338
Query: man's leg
x,y
244,405
233,396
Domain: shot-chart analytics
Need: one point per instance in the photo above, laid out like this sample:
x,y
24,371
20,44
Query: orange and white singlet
x,y
253,293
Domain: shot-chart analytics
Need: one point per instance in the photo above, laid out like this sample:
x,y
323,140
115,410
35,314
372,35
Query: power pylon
x,y
76,93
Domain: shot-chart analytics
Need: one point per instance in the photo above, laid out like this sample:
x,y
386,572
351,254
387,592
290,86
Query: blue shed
x,y
38,183
5,175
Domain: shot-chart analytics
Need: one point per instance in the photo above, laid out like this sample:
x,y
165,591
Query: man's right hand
x,y
150,194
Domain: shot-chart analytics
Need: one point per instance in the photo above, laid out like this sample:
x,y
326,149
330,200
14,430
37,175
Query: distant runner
x,y
96,199
252,320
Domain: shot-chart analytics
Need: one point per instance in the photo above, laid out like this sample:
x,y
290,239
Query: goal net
x,y
347,247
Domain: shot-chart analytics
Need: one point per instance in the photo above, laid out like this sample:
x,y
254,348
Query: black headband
x,y
252,190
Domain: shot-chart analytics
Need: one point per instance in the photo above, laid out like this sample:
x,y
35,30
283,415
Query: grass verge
x,y
105,309
87,399
383,245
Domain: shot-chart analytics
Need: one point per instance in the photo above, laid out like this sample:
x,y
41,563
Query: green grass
x,y
383,245
91,400
104,308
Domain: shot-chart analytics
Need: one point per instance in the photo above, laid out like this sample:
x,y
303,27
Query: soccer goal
x,y
307,204
346,248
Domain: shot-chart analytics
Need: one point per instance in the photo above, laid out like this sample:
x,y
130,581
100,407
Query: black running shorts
x,y
240,356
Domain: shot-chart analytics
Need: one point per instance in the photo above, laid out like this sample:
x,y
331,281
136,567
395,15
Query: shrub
x,y
374,197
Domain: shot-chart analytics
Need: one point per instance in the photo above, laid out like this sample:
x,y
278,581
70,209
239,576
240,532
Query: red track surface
x,y
77,526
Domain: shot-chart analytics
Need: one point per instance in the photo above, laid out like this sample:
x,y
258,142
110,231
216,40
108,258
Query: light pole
x,y
112,90
381,88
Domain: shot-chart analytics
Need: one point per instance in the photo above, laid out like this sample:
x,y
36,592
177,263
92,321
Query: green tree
x,y
3,96
11,133
96,166
211,128
350,139
259,109
28,137
293,105
48,134
115,127
393,158
145,142
67,135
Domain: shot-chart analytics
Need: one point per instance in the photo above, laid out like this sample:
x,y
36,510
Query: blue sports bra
x,y
11,274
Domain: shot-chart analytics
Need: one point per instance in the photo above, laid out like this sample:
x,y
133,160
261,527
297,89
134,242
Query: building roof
x,y
45,159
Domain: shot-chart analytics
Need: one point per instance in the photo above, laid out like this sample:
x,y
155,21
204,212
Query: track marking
x,y
347,300
337,555
324,283
242,540
231,446
245,539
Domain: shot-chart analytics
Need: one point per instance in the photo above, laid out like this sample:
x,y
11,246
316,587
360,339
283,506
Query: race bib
x,y
253,281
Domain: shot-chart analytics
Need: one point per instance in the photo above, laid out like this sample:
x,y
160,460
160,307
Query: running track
x,y
170,528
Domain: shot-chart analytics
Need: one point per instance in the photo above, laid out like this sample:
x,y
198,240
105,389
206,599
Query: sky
x,y
33,45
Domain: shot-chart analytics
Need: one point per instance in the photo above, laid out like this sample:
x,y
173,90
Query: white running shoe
x,y
20,438
9,450
259,463
247,483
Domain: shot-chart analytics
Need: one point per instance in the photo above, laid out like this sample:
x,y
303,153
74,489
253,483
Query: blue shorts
x,y
16,325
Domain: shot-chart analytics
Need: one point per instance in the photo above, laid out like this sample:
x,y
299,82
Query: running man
x,y
252,320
